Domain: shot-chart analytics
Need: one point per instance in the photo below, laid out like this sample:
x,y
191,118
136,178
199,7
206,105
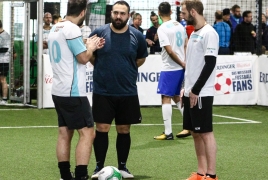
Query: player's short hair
x,y
164,8
194,4
123,3
218,15
75,7
135,16
1,25
56,17
132,13
235,7
246,13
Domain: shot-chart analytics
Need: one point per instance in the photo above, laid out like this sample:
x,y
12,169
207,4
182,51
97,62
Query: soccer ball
x,y
223,83
109,173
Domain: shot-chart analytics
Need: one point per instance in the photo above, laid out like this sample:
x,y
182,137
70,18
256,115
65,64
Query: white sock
x,y
167,113
179,107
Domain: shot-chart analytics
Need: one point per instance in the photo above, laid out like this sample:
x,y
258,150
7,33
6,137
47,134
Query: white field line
x,y
240,121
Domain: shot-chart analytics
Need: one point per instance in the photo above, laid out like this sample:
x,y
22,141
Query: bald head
x,y
47,18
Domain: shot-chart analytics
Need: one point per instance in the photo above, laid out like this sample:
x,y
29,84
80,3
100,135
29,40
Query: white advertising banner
x,y
236,81
263,80
89,81
147,81
47,82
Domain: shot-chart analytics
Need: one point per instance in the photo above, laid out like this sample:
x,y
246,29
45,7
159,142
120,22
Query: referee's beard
x,y
119,23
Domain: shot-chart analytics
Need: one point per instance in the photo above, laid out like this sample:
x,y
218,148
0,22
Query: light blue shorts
x,y
170,82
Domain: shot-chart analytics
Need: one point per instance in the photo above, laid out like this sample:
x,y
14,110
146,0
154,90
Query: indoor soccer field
x,y
28,139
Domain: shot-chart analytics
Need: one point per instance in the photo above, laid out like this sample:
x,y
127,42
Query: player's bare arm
x,y
92,59
140,61
174,57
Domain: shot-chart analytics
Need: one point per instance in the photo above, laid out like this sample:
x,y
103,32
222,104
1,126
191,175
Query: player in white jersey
x,y
201,55
173,40
5,48
68,56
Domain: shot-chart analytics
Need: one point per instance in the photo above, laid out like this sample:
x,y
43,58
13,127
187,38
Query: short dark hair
x,y
1,25
75,7
246,13
164,8
136,15
226,11
55,17
132,13
123,3
235,7
218,15
194,4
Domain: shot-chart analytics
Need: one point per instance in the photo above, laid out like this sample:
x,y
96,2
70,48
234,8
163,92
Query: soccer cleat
x,y
126,174
2,102
95,174
183,133
195,176
163,136
209,178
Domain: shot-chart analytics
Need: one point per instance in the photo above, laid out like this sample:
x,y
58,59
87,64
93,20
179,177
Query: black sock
x,y
212,176
200,174
100,145
80,171
123,142
65,170
4,99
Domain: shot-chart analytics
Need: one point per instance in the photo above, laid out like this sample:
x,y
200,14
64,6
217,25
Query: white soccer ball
x,y
109,173
223,83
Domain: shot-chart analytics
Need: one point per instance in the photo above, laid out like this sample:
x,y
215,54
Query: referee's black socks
x,y
100,145
123,142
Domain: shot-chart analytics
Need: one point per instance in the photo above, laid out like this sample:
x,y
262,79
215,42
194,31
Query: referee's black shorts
x,y
199,118
124,109
73,112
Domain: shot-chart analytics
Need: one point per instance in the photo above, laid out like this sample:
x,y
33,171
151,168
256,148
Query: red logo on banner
x,y
223,83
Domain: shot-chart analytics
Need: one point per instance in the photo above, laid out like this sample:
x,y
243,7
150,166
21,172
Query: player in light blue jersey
x,y
68,56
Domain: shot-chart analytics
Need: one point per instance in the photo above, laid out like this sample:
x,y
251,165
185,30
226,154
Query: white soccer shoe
x,y
126,174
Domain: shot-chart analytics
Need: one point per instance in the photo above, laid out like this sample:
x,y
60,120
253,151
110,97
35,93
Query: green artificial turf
x,y
28,139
